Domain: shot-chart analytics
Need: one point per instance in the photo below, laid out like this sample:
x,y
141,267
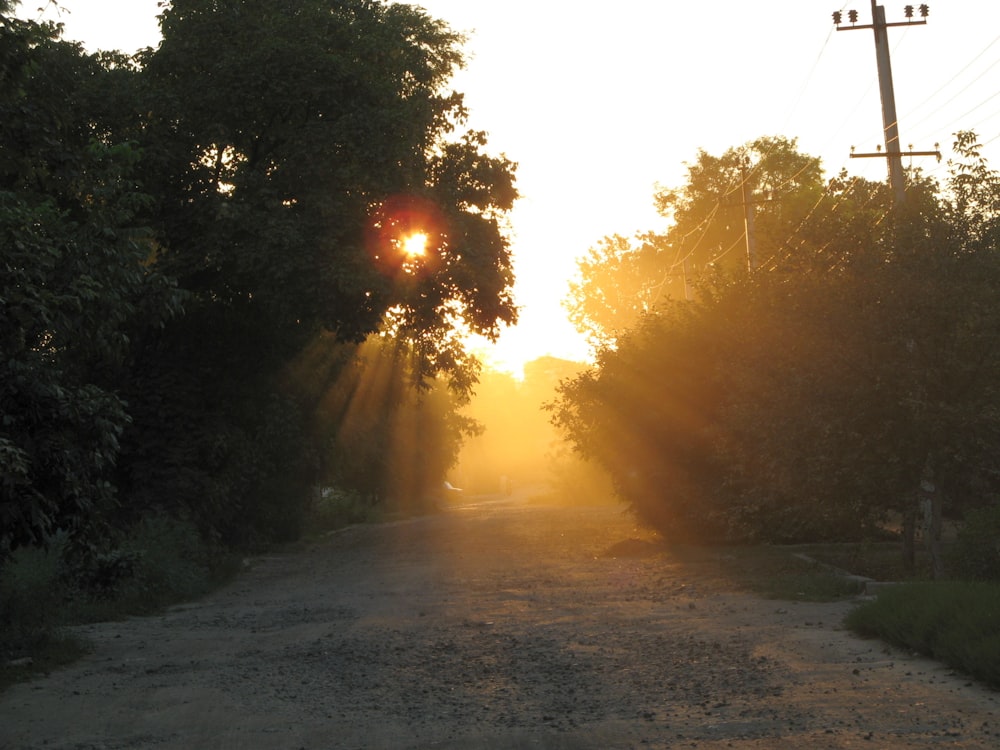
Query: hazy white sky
x,y
598,102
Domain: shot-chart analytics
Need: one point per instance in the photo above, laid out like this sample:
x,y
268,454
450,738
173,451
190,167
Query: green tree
x,y
383,439
291,148
621,279
315,137
618,281
855,377
74,285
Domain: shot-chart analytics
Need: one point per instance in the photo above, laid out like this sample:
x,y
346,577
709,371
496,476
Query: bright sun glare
x,y
415,246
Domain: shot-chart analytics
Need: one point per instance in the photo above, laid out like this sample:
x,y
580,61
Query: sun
x,y
415,245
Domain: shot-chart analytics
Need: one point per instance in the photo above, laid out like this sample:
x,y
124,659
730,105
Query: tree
x,y
74,286
619,281
851,377
622,279
382,439
314,139
292,148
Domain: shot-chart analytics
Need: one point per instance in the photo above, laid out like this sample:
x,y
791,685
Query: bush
x,y
956,623
977,549
333,508
173,562
30,597
161,561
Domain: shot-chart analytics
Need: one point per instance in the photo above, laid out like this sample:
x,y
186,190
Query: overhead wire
x,y
746,177
934,170
737,181
951,80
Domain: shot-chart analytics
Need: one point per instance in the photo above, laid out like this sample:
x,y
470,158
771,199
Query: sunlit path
x,y
499,623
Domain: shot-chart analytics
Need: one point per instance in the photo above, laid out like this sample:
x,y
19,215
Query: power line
x,y
954,78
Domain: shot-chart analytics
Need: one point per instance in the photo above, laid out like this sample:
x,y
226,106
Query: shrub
x,y
957,623
159,562
334,508
173,562
977,549
30,598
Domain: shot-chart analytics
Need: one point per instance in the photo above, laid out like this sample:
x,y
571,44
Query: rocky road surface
x,y
497,624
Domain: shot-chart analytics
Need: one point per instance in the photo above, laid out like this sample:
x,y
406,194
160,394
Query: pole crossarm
x,y
887,25
884,154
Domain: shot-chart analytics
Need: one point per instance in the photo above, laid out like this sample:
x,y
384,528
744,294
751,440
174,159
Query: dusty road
x,y
493,625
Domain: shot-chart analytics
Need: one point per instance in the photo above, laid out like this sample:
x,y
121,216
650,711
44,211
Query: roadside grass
x,y
773,572
50,650
877,560
953,621
957,623
795,579
334,508
808,572
161,563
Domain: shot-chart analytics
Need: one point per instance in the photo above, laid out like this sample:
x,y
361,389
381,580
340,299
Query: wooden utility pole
x,y
890,123
748,219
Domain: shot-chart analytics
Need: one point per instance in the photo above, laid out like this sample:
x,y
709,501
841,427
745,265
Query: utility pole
x,y
890,123
748,218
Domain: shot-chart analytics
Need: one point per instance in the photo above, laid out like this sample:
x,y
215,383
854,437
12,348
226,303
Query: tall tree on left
x,y
292,148
296,142
75,284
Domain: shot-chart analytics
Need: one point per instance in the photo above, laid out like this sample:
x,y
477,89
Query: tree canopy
x,y
850,376
178,227
74,285
767,180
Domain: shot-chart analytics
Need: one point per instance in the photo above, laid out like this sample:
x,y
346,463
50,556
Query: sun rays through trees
x,y
851,375
269,180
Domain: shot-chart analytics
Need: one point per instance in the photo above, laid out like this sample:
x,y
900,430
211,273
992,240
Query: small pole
x,y
748,219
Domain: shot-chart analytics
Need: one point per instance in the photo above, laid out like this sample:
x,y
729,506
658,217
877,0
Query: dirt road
x,y
493,625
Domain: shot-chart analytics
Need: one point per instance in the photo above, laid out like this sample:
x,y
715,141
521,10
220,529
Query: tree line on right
x,y
839,369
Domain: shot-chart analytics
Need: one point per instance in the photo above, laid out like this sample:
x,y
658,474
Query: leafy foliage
x,y
313,140
73,287
180,227
384,441
621,279
317,138
804,401
977,550
956,623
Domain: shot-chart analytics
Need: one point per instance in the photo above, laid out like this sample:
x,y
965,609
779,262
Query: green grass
x,y
954,622
769,571
167,563
50,650
880,561
957,623
161,562
805,572
336,508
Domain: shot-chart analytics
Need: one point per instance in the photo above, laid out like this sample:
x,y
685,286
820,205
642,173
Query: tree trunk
x,y
909,538
930,504
934,538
